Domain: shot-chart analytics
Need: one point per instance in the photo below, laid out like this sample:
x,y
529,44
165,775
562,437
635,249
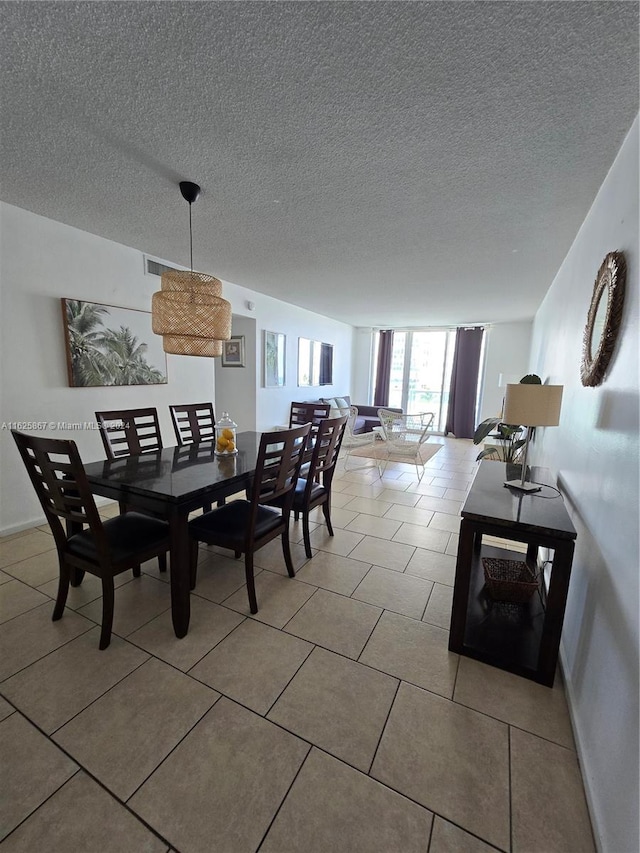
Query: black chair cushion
x,y
230,522
316,492
128,534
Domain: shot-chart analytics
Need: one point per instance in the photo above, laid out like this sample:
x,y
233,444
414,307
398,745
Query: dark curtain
x,y
383,372
464,383
326,364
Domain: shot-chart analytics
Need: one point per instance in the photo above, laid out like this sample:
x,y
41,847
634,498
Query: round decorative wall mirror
x,y
604,319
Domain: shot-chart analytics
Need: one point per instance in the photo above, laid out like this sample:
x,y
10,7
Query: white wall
x,y
236,386
595,454
42,261
507,347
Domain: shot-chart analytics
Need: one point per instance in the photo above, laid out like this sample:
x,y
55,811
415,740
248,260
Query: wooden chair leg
x,y
63,589
251,587
137,571
286,550
107,612
193,563
326,511
306,535
162,562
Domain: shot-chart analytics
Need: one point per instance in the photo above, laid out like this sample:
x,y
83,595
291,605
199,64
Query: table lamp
x,y
531,406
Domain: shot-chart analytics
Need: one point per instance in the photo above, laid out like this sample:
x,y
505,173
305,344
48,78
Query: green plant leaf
x,y
483,429
489,451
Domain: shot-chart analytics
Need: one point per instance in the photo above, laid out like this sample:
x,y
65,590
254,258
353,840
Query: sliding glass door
x,y
421,372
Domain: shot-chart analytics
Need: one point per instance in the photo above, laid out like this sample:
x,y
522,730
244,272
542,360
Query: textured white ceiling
x,y
382,163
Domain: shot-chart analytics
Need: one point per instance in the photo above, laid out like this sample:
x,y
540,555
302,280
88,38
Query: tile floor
x,y
334,720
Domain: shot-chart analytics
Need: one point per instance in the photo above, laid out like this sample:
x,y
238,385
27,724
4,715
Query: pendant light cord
x,y
190,239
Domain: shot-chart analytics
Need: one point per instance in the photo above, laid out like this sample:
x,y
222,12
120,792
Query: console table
x,y
520,638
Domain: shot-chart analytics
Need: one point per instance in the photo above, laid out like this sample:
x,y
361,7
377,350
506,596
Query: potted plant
x,y
508,434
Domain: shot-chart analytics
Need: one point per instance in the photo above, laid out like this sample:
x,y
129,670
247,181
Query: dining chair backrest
x,y
58,477
280,456
193,422
327,445
128,432
308,413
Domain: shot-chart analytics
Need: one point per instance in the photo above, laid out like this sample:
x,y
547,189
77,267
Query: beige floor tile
x,y
448,838
89,590
9,536
334,807
253,664
439,505
271,557
334,622
426,489
278,598
16,598
44,528
338,499
332,572
444,521
389,555
438,610
22,547
450,759
296,533
32,769
547,775
396,485
343,542
338,705
402,593
5,708
370,506
432,565
412,651
399,498
456,495
82,816
36,570
123,736
454,482
222,786
364,490
209,623
29,637
452,546
340,516
4,578
54,689
220,576
422,537
411,514
369,525
136,603
515,700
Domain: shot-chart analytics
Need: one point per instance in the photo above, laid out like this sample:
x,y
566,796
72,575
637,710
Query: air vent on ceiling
x,y
153,267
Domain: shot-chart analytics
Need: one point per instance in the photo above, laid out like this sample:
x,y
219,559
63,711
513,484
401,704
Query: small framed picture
x,y
274,359
233,352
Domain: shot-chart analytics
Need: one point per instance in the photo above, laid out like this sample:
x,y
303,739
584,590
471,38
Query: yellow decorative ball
x,y
227,433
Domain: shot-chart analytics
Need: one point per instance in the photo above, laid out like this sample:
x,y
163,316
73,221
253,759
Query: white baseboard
x,y
40,520
582,757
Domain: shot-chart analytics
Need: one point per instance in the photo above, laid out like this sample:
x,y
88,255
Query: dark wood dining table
x,y
171,483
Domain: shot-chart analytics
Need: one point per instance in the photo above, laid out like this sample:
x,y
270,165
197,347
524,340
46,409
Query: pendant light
x,y
189,311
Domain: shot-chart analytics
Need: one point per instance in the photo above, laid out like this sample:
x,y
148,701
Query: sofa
x,y
367,415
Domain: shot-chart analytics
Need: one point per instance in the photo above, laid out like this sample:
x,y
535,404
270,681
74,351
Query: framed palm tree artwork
x,y
108,345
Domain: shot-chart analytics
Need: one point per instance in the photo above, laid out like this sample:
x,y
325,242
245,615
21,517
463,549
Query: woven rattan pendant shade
x,y
188,310
190,314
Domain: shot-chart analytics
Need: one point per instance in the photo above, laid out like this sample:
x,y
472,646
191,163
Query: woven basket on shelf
x,y
509,580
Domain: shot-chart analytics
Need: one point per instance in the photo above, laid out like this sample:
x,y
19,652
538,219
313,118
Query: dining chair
x,y
313,489
129,432
404,436
356,441
104,548
308,413
245,526
193,422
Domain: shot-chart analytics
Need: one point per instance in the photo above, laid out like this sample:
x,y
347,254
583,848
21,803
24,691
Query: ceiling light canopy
x,y
189,311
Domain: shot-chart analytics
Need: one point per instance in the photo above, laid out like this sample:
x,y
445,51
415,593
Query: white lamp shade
x,y
532,405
